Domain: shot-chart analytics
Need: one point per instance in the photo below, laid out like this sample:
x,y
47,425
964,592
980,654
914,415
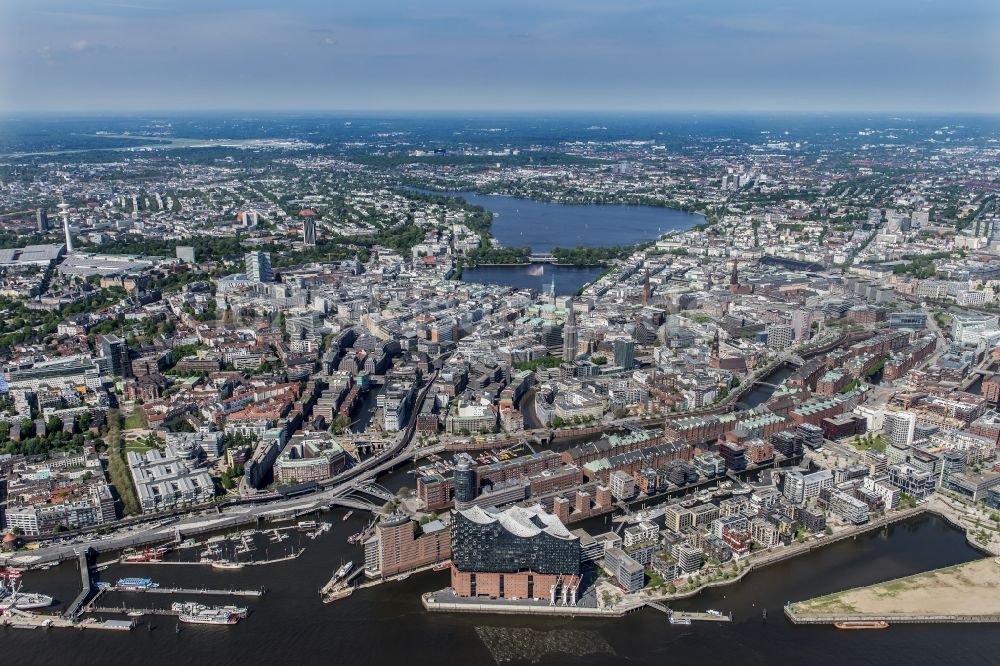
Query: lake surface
x,y
387,625
543,225
568,279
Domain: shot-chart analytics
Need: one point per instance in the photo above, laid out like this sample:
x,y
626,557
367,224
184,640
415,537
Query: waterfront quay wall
x,y
774,557
514,608
796,618
794,550
942,508
47,556
640,600
800,548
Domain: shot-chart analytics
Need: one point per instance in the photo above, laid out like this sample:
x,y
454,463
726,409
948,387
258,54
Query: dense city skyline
x,y
505,56
655,315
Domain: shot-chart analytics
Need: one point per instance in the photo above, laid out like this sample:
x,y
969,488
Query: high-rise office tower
x,y
258,266
802,324
779,336
465,483
42,217
115,350
569,335
624,353
900,427
309,232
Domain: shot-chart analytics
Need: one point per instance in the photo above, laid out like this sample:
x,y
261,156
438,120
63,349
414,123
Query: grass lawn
x,y
138,446
137,419
877,443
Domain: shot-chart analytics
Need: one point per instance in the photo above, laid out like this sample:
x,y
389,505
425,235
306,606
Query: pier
x,y
204,591
208,563
795,618
86,586
23,620
124,610
700,617
334,589
274,560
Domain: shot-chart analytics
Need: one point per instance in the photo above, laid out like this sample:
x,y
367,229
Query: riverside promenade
x,y
442,601
782,553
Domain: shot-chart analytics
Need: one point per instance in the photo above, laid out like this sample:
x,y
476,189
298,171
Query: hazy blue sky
x,y
483,54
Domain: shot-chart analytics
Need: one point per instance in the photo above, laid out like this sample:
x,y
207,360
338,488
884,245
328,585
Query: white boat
x,y
226,564
343,571
26,601
714,612
240,611
209,616
680,620
11,596
187,607
135,584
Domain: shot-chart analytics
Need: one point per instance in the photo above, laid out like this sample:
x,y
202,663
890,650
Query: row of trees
x,y
559,422
486,254
590,256
117,467
543,362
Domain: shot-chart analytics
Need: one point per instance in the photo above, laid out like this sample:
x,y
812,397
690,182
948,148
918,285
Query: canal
x,y
762,392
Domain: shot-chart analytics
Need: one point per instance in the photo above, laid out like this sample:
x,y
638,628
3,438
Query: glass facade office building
x,y
515,540
465,482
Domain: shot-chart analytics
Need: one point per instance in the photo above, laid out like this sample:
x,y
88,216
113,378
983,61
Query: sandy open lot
x,y
966,589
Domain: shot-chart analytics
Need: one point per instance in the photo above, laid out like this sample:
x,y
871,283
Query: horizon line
x,y
483,111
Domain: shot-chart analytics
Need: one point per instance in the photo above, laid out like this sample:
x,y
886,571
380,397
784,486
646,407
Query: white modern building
x,y
169,478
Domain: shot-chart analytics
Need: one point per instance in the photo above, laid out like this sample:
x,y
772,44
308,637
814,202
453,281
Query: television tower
x,y
64,211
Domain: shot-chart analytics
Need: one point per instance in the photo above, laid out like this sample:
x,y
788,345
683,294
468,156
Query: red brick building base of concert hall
x,y
522,585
